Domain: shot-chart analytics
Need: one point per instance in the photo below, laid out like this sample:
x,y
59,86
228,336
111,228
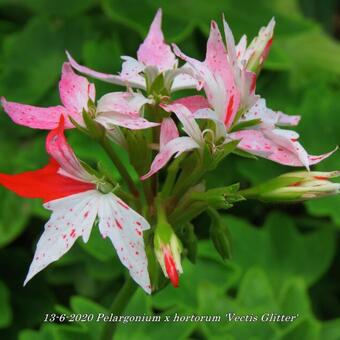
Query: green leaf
x,y
84,306
245,124
294,298
128,13
5,306
11,226
330,330
281,250
61,8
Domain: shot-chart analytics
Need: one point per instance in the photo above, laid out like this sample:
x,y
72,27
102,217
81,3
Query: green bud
x,y
258,49
189,240
220,235
167,247
295,186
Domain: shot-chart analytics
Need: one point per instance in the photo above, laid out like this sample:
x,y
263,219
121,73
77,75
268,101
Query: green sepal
x,y
245,124
244,154
96,130
78,126
219,198
158,87
223,152
105,173
138,150
91,108
89,169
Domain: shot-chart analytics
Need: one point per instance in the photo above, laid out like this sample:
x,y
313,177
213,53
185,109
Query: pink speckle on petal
x,y
119,225
123,205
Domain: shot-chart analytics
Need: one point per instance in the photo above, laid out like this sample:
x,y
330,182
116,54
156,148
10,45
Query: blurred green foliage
x,y
284,257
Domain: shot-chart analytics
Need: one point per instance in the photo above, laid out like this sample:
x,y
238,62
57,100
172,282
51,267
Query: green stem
x,y
171,177
118,306
192,211
105,143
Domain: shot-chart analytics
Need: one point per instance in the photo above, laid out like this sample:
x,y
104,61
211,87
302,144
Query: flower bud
x,y
259,48
168,250
220,235
296,186
189,240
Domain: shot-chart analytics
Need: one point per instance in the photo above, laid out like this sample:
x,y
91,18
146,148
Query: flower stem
x,y
118,306
105,143
171,177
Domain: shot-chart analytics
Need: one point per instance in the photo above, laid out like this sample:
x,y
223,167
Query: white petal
x,y
124,227
71,217
186,118
122,102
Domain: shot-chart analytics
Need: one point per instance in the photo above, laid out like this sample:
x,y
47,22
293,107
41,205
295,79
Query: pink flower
x,y
154,56
230,89
114,109
76,198
75,93
171,145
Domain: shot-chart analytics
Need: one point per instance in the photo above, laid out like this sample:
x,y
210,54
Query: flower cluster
x,y
148,220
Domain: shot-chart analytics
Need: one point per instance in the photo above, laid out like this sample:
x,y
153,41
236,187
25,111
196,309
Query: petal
x,y
288,140
258,49
170,267
183,82
111,119
168,132
136,81
44,183
276,147
241,47
217,62
122,102
231,48
186,118
219,85
125,228
317,159
184,78
213,87
174,148
72,217
287,120
154,51
131,69
60,150
193,103
245,80
36,117
75,91
260,111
